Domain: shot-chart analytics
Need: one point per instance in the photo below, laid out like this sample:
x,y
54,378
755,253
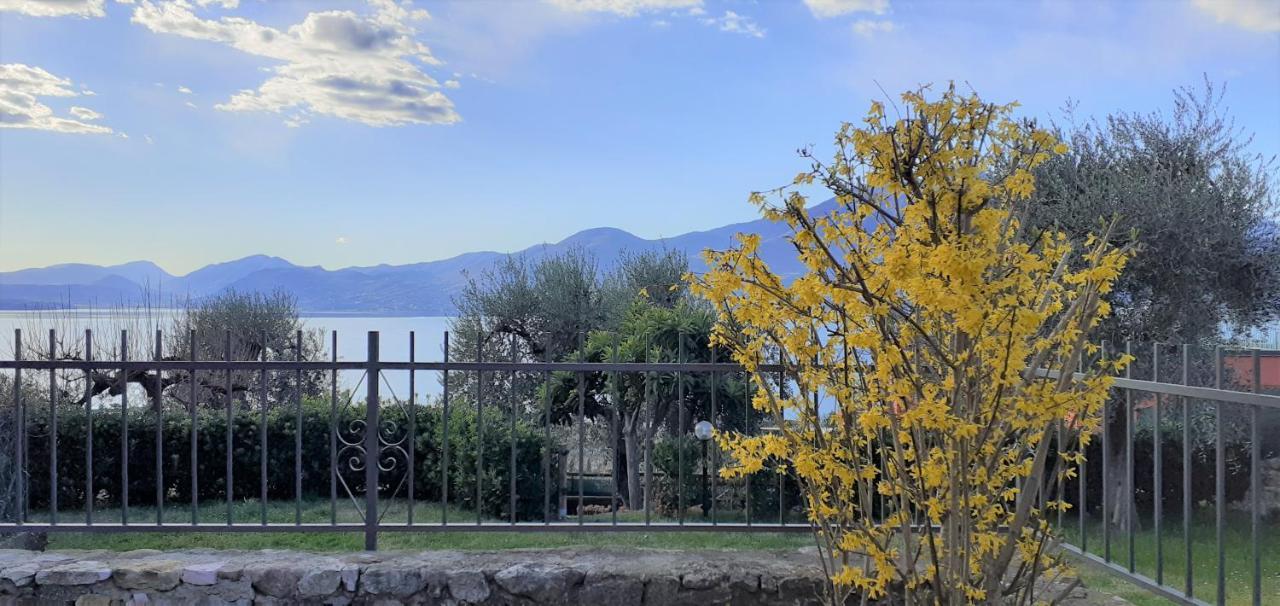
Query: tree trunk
x,y
635,496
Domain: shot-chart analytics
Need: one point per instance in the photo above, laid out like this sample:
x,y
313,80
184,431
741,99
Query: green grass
x,y
1238,546
249,512
1238,555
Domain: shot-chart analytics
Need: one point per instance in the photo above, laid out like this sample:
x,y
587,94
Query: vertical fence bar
x,y
782,380
262,434
20,433
413,422
1186,471
333,430
1158,478
158,403
1130,505
479,429
444,472
715,452
1255,480
649,389
680,423
511,489
88,441
297,432
195,432
546,449
53,430
124,431
1082,484
1219,480
371,444
1106,468
230,475
613,435
582,423
746,429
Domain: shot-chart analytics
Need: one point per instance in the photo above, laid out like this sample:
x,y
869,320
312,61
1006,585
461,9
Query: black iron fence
x,y
374,451
357,458
1145,411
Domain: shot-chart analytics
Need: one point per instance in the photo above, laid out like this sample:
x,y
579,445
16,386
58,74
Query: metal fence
x,y
1148,402
371,453
371,449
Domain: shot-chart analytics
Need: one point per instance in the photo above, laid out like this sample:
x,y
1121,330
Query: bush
x,y
765,487
281,428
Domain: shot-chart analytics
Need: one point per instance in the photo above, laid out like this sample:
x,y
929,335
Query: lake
x,y
352,338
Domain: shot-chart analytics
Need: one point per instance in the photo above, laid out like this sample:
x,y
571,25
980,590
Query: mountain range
x,y
425,288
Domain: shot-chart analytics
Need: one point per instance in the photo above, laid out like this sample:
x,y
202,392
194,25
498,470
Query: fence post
x,y
371,444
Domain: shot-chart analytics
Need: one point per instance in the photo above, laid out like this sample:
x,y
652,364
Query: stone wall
x,y
613,577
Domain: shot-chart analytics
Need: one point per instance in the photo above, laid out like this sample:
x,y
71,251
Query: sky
x,y
341,133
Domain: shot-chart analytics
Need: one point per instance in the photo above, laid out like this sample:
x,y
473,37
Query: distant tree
x,y
246,326
241,326
638,406
1203,212
1201,207
517,310
565,308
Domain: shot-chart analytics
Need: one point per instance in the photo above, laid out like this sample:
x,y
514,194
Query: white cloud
x,y
625,8
1253,15
452,84
341,240
20,106
84,113
55,8
825,9
191,105
871,27
728,22
149,140
365,68
184,90
736,24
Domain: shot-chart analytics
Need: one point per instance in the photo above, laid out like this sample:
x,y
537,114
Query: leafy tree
x,y
1199,204
637,406
564,308
245,326
923,330
1203,213
520,311
242,326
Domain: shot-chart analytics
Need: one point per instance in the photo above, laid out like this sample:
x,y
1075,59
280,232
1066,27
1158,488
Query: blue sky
x,y
355,133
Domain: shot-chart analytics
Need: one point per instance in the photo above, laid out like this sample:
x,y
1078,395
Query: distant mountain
x,y
139,272
425,288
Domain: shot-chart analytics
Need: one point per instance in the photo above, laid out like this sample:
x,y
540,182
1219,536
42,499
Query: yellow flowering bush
x,y
933,353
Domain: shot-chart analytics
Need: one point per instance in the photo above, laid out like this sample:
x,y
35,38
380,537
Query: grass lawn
x,y
1204,550
1238,561
249,512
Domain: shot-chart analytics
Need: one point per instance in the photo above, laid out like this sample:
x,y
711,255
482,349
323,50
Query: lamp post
x,y
703,432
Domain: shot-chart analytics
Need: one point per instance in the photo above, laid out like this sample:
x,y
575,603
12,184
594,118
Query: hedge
x,y
281,429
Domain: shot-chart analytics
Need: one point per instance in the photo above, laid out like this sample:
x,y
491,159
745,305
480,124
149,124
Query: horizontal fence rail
x,y
378,456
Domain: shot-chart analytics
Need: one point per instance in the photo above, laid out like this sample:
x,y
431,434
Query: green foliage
x,y
281,431
1199,203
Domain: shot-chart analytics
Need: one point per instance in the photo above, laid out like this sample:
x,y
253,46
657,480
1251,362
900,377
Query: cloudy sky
x,y
361,132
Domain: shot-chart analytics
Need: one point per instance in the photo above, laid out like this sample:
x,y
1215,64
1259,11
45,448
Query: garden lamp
x,y
703,431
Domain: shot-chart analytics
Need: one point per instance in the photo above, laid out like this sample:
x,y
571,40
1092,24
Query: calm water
x,y
352,338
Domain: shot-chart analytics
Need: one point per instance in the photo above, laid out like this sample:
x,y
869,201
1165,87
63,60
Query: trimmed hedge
x,y
281,430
